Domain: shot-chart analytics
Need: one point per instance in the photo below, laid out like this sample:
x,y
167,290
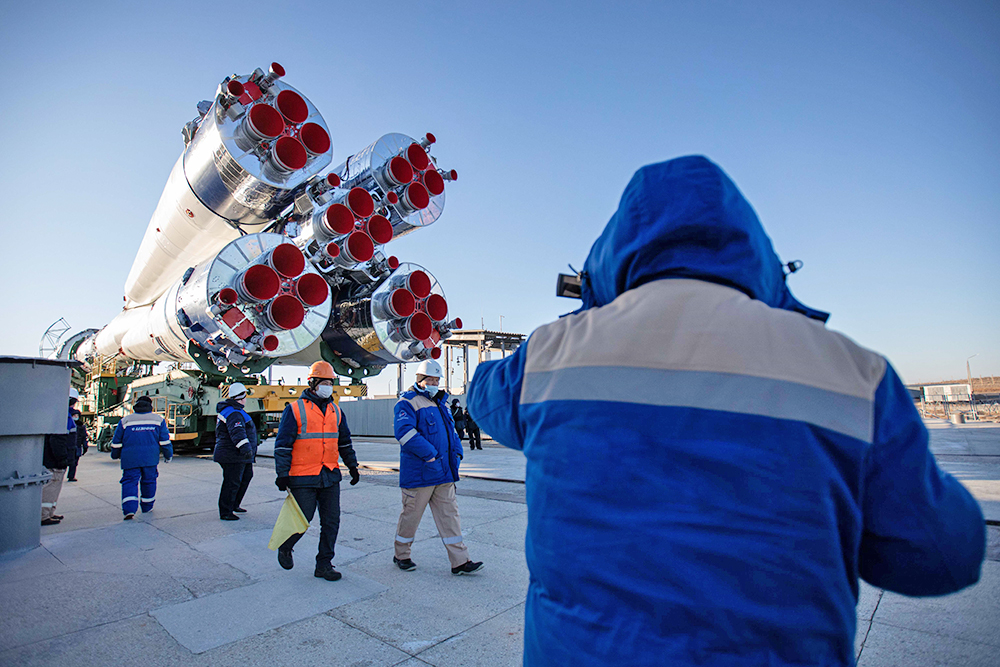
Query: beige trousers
x,y
444,508
50,492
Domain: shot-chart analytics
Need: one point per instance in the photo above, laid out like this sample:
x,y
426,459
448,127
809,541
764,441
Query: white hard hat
x,y
430,368
73,393
237,390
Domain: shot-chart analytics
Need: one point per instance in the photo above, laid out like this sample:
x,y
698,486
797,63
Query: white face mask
x,y
324,391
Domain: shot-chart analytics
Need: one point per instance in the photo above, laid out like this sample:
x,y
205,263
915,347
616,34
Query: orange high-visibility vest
x,y
316,445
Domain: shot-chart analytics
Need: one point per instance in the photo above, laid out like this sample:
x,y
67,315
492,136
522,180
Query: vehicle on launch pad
x,y
258,254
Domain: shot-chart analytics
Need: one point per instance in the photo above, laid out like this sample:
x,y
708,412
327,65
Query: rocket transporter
x,y
257,253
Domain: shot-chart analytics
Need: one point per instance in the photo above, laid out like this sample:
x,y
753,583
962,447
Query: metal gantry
x,y
484,341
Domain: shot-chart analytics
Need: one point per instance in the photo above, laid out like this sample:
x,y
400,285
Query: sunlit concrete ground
x,y
179,587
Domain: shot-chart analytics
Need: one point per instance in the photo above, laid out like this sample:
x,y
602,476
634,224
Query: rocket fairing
x,y
253,255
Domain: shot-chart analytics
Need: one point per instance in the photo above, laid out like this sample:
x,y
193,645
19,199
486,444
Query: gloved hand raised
x,y
355,476
281,483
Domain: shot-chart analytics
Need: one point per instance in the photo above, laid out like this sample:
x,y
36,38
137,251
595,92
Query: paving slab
x,y
496,642
248,552
429,605
970,615
888,646
507,532
31,563
215,620
75,601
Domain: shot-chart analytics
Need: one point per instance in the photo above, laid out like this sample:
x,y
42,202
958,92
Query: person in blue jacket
x,y
429,456
760,463
138,441
235,450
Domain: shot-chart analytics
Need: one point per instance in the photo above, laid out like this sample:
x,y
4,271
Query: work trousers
x,y
71,470
444,508
50,492
461,432
475,441
138,489
235,482
327,500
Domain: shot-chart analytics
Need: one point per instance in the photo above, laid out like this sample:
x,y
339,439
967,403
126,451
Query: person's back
x,y
708,473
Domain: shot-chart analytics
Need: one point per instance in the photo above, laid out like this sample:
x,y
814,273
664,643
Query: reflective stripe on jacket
x,y
316,445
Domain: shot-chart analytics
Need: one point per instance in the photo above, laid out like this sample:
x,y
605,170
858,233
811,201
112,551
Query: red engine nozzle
x,y
415,196
434,182
360,201
417,156
416,327
227,296
417,282
315,139
392,262
435,353
380,229
264,123
270,343
257,283
338,220
288,154
332,250
311,289
436,307
393,305
287,260
399,171
284,312
358,247
292,107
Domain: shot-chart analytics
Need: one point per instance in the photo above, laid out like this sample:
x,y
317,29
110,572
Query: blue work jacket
x,y
140,438
425,430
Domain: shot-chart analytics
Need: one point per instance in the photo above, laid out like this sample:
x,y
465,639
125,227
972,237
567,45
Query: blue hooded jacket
x,y
425,430
709,469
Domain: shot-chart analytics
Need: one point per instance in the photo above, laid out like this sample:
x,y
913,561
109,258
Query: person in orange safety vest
x,y
312,435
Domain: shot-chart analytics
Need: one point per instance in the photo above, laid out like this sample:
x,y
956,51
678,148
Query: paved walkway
x,y
179,587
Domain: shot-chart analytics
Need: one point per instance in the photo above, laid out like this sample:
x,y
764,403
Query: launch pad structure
x,y
484,341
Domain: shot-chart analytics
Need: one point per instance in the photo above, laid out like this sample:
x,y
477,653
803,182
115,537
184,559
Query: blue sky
x,y
865,137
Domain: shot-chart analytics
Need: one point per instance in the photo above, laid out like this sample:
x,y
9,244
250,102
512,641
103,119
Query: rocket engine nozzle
x,y
284,312
287,260
292,107
436,307
393,305
416,281
311,289
257,283
262,123
315,139
287,154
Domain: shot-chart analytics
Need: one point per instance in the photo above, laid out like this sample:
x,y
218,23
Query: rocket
x,y
257,253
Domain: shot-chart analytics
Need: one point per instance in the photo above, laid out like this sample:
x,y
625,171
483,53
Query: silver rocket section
x,y
257,143
256,299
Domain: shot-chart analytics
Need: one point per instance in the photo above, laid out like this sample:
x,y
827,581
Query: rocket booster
x,y
253,255
246,155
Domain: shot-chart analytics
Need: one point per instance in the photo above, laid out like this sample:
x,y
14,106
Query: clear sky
x,y
864,134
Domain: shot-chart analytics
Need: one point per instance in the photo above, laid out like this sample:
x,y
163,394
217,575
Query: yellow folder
x,y
290,521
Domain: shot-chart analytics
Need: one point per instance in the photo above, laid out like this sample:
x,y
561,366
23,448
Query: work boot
x,y
58,517
285,558
405,565
50,522
467,568
128,517
230,517
240,510
327,572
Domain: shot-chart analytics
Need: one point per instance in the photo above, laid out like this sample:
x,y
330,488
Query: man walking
x,y
138,441
475,437
428,469
58,452
761,462
311,436
235,450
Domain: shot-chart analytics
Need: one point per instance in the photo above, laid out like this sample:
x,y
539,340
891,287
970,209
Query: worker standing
x,y
429,457
475,437
312,435
235,450
761,462
138,441
458,415
78,447
56,457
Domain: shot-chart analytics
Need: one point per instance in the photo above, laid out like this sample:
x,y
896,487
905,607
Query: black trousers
x,y
71,468
327,499
474,440
235,481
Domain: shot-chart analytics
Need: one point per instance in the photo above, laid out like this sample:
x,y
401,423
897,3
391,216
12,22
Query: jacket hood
x,y
230,402
685,218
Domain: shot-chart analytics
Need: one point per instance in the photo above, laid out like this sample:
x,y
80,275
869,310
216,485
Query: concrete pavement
x,y
179,587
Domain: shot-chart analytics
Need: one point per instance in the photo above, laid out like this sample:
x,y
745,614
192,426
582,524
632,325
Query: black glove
x,y
281,483
355,476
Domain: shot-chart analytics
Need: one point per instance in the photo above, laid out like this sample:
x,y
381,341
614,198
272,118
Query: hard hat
x,y
73,393
322,370
430,368
237,390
